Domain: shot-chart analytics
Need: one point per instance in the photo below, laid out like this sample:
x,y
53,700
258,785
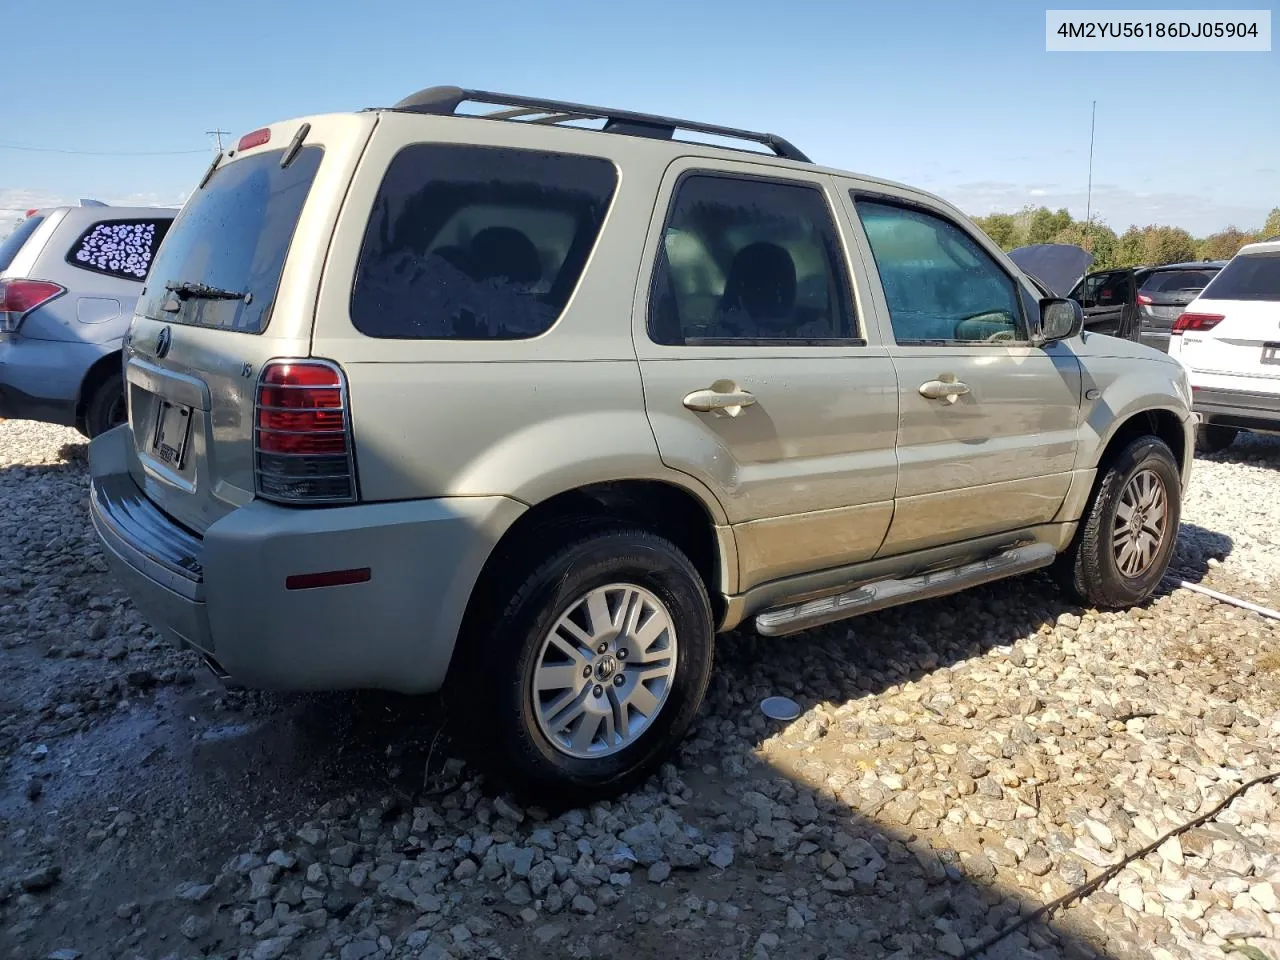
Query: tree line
x,y
1150,245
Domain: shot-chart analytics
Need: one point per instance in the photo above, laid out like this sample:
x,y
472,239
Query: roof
x,y
1191,265
1266,246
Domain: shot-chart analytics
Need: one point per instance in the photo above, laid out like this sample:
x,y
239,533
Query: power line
x,y
101,153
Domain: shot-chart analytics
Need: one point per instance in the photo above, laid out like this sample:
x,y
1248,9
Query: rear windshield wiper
x,y
188,289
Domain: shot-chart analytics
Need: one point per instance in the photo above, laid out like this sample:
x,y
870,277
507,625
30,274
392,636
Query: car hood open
x,y
1057,265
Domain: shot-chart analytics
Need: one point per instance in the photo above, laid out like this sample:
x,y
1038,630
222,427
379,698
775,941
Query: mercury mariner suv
x,y
528,400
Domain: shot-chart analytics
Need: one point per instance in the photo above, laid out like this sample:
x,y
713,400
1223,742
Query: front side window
x,y
940,285
119,248
477,243
745,260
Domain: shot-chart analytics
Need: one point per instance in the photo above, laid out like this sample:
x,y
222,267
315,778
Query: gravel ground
x,y
959,763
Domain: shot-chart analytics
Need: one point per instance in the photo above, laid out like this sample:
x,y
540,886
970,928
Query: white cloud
x,y
15,203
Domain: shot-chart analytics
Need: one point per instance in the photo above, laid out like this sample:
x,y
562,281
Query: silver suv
x,y
69,280
497,399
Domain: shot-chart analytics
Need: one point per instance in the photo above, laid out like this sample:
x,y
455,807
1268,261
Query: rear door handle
x,y
946,388
724,398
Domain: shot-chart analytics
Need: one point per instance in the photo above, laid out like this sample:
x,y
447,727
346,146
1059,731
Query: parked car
x,y
1109,297
1229,339
1164,293
69,280
537,410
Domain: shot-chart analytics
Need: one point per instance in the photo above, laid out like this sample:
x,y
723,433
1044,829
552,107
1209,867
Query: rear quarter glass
x,y
233,235
124,249
11,244
477,243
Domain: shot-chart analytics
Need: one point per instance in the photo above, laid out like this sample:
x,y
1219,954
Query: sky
x,y
958,98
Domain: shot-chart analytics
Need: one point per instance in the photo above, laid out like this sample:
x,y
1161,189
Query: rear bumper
x,y
1237,408
224,593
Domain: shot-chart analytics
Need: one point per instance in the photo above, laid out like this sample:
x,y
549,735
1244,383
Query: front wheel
x,y
1127,535
586,676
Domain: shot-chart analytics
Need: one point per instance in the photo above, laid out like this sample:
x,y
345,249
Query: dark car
x,y
1165,293
1108,297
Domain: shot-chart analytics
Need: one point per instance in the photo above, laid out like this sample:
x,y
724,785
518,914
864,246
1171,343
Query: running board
x,y
781,621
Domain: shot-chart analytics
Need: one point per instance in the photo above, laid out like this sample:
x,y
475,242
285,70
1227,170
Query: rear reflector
x,y
20,297
302,434
1192,322
330,578
255,139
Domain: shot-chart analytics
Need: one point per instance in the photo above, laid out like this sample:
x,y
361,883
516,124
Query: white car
x,y
1229,340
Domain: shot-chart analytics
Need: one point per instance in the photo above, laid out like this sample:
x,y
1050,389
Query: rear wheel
x,y
1127,535
105,407
1212,438
579,682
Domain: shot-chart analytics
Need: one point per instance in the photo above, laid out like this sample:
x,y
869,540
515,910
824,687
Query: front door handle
x,y
946,387
723,398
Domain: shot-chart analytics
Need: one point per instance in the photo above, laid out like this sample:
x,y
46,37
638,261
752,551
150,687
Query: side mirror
x,y
1060,319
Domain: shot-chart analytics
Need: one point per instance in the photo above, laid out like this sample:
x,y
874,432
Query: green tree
x,y
1272,227
1001,228
1099,239
1044,224
1224,244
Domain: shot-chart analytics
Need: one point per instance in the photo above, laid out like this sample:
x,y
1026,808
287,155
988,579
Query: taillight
x,y
255,139
302,434
1144,299
1192,322
20,297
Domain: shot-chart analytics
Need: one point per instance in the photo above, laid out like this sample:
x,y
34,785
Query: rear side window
x,y
477,243
749,261
222,259
119,248
1171,281
11,244
1254,276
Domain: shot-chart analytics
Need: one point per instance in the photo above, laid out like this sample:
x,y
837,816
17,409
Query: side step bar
x,y
781,621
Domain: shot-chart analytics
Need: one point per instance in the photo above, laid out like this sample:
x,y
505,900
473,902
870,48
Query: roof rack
x,y
444,101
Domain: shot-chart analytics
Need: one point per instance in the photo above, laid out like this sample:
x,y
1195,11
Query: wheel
x,y
1127,535
1211,438
105,407
578,683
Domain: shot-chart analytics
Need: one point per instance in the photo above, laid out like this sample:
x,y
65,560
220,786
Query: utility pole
x,y
219,134
1088,209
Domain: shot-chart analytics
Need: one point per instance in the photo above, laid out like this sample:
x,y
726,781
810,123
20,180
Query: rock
x,y
465,870
1264,895
64,953
722,857
541,876
193,892
549,933
519,894
194,927
584,905
659,872
37,881
358,950
1171,851
950,945
273,948
505,808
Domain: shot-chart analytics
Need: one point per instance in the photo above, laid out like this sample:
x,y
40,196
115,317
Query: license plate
x,y
1271,353
173,426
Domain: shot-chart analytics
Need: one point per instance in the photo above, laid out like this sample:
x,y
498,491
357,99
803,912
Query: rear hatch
x,y
1233,329
232,287
1166,293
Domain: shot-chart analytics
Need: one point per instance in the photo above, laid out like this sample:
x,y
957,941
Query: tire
x,y
1213,438
503,649
1095,568
105,407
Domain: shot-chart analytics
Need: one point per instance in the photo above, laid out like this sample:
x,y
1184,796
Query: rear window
x,y
231,237
1171,281
11,244
1253,276
477,243
119,248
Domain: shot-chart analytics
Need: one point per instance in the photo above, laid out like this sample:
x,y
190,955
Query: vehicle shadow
x,y
1249,449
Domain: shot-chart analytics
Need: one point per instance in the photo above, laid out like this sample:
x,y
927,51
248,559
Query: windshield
x,y
232,235
10,246
1254,276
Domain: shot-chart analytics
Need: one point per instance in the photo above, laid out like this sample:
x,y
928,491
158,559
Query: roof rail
x,y
444,101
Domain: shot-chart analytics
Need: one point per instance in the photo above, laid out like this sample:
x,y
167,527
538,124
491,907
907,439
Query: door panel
x,y
758,377
997,458
987,422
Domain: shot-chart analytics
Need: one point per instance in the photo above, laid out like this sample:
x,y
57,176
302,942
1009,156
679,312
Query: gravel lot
x,y
960,763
